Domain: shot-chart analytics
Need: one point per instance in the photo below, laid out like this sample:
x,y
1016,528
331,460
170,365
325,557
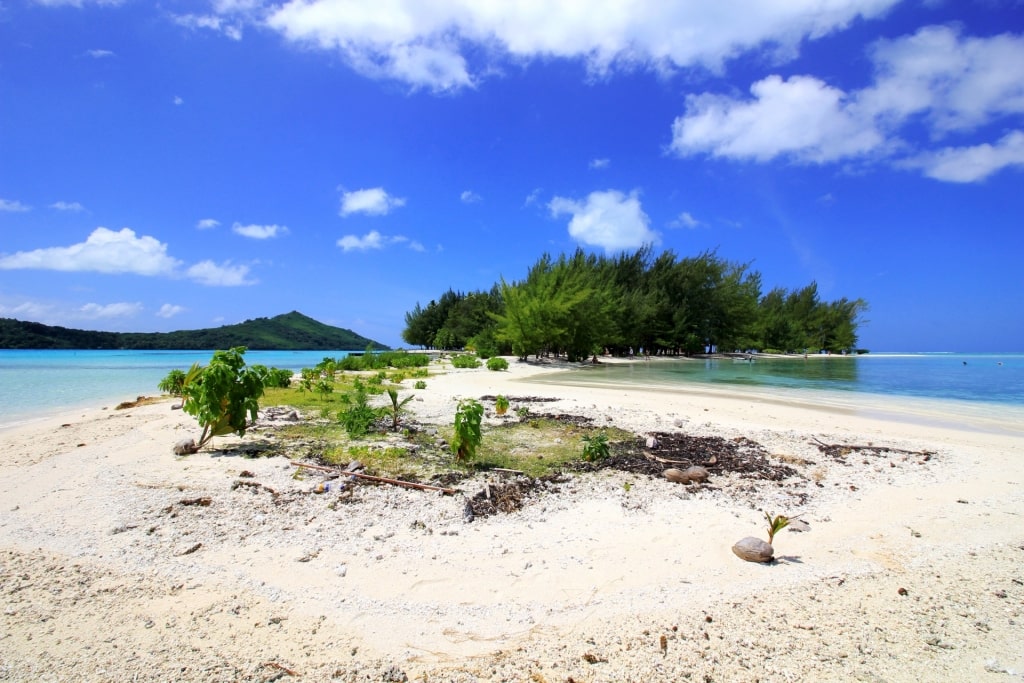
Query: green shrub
x,y
500,405
173,383
464,360
420,384
596,447
467,436
222,395
278,378
497,363
359,416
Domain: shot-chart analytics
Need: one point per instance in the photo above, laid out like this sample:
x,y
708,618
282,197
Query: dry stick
x,y
866,447
383,480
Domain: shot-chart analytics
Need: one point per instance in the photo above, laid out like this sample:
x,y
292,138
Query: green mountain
x,y
291,331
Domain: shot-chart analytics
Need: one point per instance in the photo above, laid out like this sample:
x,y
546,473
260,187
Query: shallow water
x,y
34,382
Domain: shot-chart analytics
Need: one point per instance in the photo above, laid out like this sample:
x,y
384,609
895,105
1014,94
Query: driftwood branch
x,y
382,480
844,448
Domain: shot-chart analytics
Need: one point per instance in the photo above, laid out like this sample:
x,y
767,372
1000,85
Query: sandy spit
x,y
122,562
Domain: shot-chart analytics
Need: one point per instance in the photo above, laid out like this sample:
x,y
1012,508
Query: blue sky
x,y
178,165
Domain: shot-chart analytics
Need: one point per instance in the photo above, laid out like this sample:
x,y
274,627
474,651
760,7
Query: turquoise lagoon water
x,y
39,382
984,389
34,383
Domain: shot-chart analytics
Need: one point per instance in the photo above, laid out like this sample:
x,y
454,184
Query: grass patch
x,y
536,446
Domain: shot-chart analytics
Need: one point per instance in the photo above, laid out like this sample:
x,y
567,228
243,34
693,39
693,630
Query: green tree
x,y
223,396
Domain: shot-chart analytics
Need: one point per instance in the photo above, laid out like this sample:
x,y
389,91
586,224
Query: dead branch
x,y
840,449
382,480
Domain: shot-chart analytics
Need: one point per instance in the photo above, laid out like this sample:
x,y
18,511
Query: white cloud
x,y
687,220
169,310
950,84
13,205
954,83
104,251
375,240
608,219
371,240
259,232
470,197
99,54
373,201
74,207
178,101
972,164
207,224
213,22
801,117
223,275
118,310
600,164
427,44
29,310
533,197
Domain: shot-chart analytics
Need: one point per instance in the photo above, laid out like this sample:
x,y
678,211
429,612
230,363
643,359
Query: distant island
x,y
289,332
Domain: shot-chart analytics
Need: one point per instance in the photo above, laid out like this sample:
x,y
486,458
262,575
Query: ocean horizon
x,y
35,383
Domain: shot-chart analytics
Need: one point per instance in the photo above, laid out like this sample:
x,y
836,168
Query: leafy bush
x,y
595,447
173,383
420,384
359,416
222,394
501,405
464,360
467,430
278,378
497,363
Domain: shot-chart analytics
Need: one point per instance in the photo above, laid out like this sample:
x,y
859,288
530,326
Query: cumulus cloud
x,y
207,224
178,101
608,219
104,251
935,78
169,310
600,164
220,275
375,240
972,164
118,310
801,117
470,197
73,207
13,205
373,202
99,54
259,232
428,44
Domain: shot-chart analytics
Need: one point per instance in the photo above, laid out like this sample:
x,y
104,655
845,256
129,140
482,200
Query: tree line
x,y
586,304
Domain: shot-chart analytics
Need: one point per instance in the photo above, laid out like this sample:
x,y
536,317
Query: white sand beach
x,y
120,561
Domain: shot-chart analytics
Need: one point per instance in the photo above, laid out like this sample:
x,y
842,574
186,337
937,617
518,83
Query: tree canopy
x,y
583,304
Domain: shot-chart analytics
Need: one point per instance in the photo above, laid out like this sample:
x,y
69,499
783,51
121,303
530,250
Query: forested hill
x,y
291,331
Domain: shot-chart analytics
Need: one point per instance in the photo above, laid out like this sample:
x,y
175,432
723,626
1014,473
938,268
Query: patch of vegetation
x,y
465,361
497,363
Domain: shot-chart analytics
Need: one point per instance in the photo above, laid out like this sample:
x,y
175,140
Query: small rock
x,y
753,550
695,474
185,447
652,442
